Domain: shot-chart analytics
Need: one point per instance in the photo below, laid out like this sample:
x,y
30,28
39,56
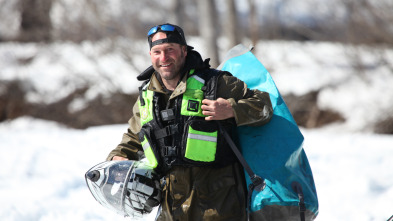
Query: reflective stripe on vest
x,y
152,161
202,137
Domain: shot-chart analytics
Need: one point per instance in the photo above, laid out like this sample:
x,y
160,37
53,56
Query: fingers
x,y
210,118
212,105
219,109
119,158
207,104
209,108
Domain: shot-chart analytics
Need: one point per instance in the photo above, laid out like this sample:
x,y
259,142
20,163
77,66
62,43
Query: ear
x,y
184,48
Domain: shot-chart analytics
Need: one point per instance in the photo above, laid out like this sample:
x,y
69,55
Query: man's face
x,y
167,58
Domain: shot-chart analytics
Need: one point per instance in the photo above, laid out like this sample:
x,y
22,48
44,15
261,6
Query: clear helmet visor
x,y
108,182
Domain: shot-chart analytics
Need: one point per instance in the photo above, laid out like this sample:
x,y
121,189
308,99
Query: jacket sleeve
x,y
251,107
130,146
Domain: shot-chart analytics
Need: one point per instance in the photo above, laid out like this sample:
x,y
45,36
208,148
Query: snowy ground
x,y
43,166
43,163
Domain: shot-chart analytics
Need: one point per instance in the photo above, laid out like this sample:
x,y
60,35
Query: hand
x,y
119,158
219,109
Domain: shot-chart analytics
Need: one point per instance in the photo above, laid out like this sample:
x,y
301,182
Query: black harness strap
x,y
257,182
166,131
297,187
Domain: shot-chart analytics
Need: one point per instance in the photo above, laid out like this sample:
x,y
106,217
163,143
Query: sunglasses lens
x,y
162,27
152,31
167,28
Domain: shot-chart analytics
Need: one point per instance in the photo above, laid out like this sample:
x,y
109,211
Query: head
x,y
168,51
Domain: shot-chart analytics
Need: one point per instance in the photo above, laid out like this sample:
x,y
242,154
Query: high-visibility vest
x,y
196,140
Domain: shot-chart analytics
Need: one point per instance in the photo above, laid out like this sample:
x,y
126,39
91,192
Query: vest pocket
x,y
191,103
201,141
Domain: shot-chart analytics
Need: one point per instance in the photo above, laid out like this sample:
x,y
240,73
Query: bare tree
x,y
178,13
232,24
368,22
208,29
36,23
253,20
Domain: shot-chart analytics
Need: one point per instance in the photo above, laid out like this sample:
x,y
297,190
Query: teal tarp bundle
x,y
273,151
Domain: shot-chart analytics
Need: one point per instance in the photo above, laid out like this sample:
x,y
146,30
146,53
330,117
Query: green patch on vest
x,y
201,146
192,98
146,110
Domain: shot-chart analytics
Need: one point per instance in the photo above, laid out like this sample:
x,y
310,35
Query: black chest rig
x,y
176,133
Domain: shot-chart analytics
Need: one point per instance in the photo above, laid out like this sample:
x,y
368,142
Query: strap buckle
x,y
167,115
169,151
257,182
166,131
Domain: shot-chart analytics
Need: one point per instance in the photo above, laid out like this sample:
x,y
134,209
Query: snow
x,y
56,70
43,166
351,174
43,170
354,81
43,163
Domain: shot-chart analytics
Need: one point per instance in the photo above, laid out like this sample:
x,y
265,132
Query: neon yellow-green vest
x,y
194,140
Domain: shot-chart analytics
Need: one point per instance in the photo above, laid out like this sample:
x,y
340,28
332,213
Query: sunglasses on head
x,y
155,29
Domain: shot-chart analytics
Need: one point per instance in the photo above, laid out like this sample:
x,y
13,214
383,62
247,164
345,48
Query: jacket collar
x,y
155,85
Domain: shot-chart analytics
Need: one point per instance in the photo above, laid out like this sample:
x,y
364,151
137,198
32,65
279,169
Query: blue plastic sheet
x,y
274,151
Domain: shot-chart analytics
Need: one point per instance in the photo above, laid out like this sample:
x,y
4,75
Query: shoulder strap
x,y
141,88
257,182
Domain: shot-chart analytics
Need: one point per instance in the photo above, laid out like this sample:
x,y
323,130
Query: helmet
x,y
130,188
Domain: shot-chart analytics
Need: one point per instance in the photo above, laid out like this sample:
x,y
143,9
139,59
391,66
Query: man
x,y
177,125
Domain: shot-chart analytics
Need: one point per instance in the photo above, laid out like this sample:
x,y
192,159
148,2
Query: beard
x,y
174,71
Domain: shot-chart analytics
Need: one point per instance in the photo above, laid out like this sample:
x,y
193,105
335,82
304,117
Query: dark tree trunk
x,y
36,24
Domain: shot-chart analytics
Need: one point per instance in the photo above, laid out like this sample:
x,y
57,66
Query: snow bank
x,y
354,81
53,71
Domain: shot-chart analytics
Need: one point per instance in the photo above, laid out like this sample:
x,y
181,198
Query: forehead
x,y
164,46
158,36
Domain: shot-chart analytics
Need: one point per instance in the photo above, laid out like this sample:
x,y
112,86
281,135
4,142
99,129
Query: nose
x,y
164,56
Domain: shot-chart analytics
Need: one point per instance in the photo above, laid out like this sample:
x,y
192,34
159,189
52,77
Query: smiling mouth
x,y
165,65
